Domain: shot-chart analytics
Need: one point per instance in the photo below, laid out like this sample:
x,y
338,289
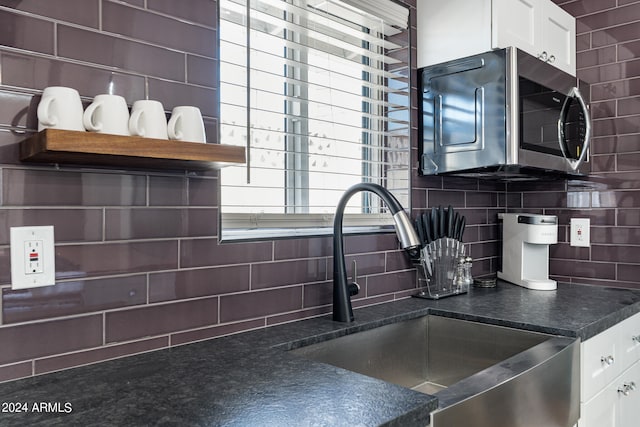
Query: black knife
x,y
435,224
442,222
450,222
420,229
463,221
426,221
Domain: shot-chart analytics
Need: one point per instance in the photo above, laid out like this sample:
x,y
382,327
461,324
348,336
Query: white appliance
x,y
525,249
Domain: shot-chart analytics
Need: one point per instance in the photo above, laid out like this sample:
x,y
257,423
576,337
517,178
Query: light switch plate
x,y
32,257
580,234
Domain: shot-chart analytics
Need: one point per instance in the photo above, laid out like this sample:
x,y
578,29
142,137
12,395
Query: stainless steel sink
x,y
482,374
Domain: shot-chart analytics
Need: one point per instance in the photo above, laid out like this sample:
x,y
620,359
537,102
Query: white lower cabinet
x,y
610,388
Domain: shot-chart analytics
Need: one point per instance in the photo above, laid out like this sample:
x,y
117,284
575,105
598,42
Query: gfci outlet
x,y
32,257
580,232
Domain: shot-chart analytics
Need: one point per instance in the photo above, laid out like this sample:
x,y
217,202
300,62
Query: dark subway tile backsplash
x,y
138,259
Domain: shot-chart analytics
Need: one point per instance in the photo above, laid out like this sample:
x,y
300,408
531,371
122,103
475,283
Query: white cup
x,y
107,114
186,124
148,119
60,108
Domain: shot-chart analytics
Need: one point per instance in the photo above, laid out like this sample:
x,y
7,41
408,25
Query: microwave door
x,y
574,129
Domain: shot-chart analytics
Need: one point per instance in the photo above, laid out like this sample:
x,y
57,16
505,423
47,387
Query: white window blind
x,y
318,92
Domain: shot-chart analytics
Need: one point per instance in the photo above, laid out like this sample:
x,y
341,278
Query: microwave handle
x,y
575,93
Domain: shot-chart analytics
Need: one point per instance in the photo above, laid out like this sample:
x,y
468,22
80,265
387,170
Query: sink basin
x,y
493,375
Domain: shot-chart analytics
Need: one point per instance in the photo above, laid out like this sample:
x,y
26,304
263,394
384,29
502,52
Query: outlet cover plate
x,y
580,234
20,277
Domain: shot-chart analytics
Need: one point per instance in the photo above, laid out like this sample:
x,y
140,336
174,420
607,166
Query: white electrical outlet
x,y
32,257
580,234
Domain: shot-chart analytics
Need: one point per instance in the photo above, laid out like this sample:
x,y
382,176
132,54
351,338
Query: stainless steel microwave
x,y
503,113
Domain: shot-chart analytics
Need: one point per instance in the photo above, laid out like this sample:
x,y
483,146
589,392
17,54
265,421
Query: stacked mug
x,y
61,108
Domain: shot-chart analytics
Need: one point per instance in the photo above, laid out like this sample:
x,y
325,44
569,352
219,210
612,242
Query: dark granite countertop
x,y
249,379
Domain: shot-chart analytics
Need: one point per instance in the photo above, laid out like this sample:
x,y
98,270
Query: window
x,y
318,92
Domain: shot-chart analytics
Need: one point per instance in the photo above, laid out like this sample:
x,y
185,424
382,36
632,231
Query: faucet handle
x,y
353,287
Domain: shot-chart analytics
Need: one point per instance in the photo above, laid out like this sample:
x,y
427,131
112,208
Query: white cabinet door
x,y
630,340
601,411
517,23
599,363
629,383
558,37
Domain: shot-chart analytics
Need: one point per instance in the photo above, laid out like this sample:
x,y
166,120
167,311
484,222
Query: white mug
x,y
60,108
107,114
186,124
148,119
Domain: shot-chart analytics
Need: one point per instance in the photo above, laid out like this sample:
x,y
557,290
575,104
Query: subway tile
x,y
207,252
618,254
10,145
57,363
14,109
628,272
260,304
40,339
398,260
459,183
5,266
600,110
612,17
25,187
297,315
390,282
593,57
215,331
617,126
80,44
75,261
587,7
89,81
167,191
25,32
15,371
82,12
67,298
628,162
603,163
629,50
70,225
596,216
445,198
142,25
303,248
481,199
185,284
615,235
203,192
365,264
628,217
377,242
583,42
154,223
202,71
318,294
591,269
201,11
551,199
615,35
172,94
160,319
270,275
612,90
629,106
484,249
566,251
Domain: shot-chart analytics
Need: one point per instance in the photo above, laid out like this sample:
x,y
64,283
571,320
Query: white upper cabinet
x,y
457,28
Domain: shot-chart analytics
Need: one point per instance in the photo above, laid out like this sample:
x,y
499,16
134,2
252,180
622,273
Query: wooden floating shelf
x,y
88,148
